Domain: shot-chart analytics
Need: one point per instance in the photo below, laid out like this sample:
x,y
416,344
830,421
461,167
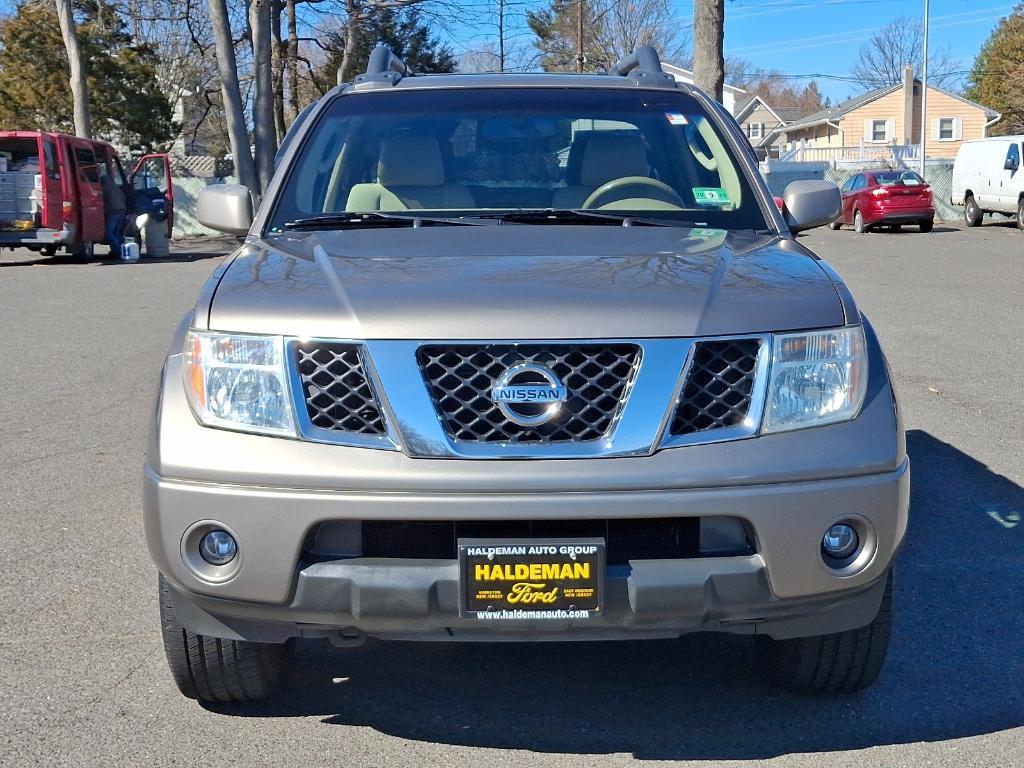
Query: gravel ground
x,y
82,672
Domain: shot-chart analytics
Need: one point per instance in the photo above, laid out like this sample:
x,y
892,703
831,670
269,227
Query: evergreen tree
x,y
404,31
125,99
997,78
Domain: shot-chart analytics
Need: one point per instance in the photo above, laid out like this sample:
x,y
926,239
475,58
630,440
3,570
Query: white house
x,y
730,93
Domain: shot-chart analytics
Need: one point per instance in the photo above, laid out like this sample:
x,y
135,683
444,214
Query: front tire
x,y
842,662
1020,214
858,223
972,213
214,670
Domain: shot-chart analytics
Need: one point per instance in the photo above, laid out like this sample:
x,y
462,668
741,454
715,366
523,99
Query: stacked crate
x,y
21,197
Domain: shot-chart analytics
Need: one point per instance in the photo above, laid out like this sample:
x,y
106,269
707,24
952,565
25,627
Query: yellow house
x,y
891,116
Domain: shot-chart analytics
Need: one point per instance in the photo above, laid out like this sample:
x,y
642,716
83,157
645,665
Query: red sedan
x,y
886,198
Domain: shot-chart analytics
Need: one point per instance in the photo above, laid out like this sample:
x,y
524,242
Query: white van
x,y
988,178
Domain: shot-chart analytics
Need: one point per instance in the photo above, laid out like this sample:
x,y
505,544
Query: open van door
x,y
154,192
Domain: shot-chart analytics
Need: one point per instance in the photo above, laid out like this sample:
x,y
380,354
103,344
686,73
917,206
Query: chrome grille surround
x,y
721,393
415,426
719,386
598,377
335,394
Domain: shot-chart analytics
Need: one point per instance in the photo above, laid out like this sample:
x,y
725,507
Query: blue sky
x,y
798,37
803,37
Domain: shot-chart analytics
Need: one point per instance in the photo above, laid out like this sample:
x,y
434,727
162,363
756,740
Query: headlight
x,y
817,377
238,382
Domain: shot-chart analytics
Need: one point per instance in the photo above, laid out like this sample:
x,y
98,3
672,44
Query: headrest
x,y
612,156
411,161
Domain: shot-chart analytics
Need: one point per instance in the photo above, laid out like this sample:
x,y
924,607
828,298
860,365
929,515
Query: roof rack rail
x,y
643,67
384,67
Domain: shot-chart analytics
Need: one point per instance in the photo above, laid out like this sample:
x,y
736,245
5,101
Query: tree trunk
x,y
352,31
708,40
79,86
231,95
263,109
293,61
279,55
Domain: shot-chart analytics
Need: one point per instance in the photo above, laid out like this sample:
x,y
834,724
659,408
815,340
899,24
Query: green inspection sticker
x,y
710,196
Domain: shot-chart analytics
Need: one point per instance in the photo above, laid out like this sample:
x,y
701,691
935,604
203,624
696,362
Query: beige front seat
x,y
410,176
605,157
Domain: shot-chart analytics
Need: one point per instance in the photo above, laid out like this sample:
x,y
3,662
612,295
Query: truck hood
x,y
523,282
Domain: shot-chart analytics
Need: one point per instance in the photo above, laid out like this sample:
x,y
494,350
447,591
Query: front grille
x,y
719,386
598,378
626,539
337,392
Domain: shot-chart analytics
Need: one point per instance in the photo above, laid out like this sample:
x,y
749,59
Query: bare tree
x,y
708,41
625,25
612,29
882,58
280,54
234,112
263,108
292,60
76,65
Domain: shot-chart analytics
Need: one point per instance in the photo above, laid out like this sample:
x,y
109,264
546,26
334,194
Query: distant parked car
x,y
987,178
886,198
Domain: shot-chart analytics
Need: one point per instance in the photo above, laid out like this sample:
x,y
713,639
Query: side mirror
x,y
810,204
226,208
1011,164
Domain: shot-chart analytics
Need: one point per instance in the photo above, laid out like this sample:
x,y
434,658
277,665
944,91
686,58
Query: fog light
x,y
218,548
840,541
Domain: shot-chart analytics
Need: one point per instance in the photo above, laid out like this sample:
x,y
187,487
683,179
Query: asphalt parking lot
x,y
83,679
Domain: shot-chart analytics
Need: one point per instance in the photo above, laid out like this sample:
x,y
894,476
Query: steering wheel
x,y
631,187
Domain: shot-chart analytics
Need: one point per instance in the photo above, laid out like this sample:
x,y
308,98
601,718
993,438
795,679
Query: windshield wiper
x,y
578,216
353,220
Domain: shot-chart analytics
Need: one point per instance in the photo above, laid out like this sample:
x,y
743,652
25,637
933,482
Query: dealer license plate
x,y
532,579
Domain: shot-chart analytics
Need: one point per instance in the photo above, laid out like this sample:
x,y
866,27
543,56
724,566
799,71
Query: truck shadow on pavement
x,y
954,670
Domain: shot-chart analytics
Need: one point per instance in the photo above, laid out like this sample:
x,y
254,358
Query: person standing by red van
x,y
114,208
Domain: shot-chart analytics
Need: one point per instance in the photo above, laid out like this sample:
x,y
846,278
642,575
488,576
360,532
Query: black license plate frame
x,y
519,576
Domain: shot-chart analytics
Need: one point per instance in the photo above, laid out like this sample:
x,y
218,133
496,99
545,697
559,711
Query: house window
x,y
947,128
879,130
755,130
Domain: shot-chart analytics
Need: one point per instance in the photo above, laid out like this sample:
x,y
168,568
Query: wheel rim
x,y
858,222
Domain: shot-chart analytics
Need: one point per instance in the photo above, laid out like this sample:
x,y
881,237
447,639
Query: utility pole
x,y
501,35
924,90
580,57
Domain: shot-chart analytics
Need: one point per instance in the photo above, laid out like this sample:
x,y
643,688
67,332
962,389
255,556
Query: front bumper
x,y
784,590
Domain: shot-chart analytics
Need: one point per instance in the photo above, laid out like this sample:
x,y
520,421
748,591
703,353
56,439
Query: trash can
x,y
155,236
153,229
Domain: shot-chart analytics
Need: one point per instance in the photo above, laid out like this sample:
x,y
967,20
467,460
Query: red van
x,y
51,196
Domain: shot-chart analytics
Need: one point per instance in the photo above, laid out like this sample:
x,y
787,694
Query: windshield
x,y
891,178
465,152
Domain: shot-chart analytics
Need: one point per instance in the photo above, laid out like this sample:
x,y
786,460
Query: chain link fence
x,y
939,176
186,194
